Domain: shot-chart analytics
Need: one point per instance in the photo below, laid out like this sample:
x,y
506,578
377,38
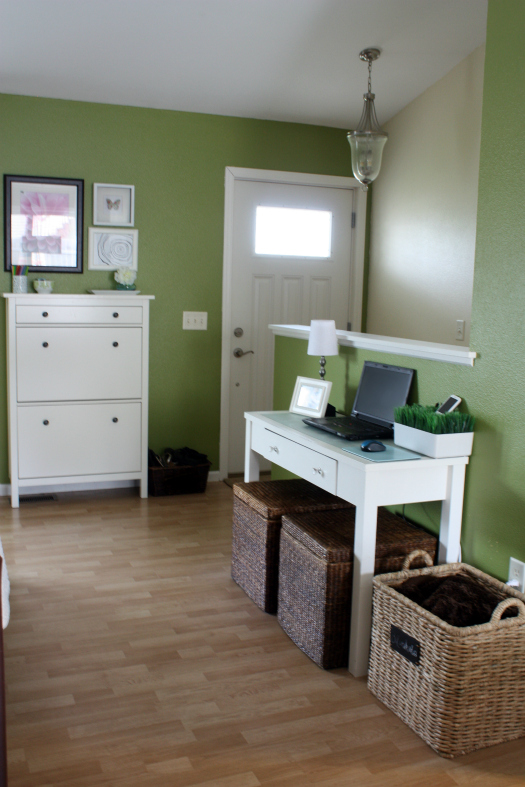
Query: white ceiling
x,y
290,60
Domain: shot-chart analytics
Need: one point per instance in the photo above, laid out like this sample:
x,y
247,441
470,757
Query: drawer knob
x,y
45,344
274,448
318,470
115,344
115,420
46,422
45,314
115,314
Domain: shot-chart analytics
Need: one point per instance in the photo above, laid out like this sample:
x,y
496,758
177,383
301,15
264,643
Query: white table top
x,y
334,446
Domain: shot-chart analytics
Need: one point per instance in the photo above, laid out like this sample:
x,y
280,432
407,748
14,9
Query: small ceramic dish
x,y
43,286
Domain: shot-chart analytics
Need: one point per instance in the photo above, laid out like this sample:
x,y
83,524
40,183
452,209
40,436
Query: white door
x,y
283,275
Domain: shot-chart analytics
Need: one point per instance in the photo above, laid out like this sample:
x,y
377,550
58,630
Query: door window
x,y
293,232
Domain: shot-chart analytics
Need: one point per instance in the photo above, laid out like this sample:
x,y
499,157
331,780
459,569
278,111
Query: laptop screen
x,y
381,388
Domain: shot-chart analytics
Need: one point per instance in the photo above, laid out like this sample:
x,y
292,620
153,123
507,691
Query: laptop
x,y
381,388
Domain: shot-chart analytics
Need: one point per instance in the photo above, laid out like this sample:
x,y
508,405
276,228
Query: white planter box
x,y
434,445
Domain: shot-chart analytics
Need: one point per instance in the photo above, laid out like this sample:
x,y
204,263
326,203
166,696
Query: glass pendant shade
x,y
368,139
367,152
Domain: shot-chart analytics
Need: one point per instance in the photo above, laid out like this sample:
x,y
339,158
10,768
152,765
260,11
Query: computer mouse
x,y
373,445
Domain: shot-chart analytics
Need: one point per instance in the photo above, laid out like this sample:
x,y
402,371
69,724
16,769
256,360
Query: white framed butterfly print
x,y
113,205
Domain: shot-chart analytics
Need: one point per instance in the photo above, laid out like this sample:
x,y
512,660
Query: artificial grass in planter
x,y
425,418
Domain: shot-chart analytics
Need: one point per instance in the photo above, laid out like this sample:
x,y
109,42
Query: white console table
x,y
284,439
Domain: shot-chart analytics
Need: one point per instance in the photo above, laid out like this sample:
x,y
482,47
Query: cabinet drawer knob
x,y
318,470
274,448
115,420
115,314
46,422
115,344
45,314
45,344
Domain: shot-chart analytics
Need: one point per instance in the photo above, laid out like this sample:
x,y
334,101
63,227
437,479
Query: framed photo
x,y
310,397
111,250
113,205
44,223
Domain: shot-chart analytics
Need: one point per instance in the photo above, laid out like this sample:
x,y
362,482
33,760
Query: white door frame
x,y
356,270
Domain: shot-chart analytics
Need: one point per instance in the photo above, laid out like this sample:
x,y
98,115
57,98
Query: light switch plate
x,y
194,321
517,573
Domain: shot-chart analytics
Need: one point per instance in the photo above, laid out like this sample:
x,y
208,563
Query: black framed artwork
x,y
44,223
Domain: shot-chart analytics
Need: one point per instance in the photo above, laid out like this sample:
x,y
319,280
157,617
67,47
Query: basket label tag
x,y
405,645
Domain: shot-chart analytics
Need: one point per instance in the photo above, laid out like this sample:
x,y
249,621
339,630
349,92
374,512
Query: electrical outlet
x,y
517,573
460,330
194,321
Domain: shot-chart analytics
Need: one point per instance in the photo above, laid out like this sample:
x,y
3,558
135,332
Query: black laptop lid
x,y
381,388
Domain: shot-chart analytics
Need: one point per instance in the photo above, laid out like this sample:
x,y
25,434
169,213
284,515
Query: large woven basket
x,y
460,689
315,576
258,507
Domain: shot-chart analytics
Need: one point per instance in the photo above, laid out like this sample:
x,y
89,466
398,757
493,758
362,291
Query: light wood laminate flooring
x,y
132,658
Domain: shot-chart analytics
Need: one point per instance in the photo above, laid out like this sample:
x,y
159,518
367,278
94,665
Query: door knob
x,y
238,353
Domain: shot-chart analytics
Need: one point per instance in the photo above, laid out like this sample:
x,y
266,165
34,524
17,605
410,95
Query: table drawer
x,y
75,363
313,466
49,313
79,439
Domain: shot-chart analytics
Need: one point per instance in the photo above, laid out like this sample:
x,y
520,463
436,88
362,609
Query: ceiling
x,y
289,60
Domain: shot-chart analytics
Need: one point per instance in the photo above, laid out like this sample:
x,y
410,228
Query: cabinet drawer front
x,y
79,439
67,364
313,466
49,313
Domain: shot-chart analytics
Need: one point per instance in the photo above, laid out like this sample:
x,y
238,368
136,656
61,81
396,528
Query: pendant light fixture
x,y
368,139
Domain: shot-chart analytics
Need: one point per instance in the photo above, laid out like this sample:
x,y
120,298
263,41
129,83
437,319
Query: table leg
x,y
251,458
364,559
451,515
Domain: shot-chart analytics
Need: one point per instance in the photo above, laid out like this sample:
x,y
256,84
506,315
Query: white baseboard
x,y
5,489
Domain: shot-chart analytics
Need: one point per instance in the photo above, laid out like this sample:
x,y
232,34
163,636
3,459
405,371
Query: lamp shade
x,y
323,339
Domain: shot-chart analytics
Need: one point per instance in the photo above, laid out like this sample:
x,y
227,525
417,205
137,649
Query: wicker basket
x,y
257,510
315,576
177,480
460,689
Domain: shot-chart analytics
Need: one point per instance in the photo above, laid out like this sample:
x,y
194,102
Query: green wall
x,y
176,161
494,389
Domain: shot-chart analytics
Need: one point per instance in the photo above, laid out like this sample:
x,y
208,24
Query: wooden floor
x,y
133,659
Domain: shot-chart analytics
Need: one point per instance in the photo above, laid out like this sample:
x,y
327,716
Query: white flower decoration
x,y
125,276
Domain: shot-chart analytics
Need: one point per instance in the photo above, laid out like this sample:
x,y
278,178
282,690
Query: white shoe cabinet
x,y
77,381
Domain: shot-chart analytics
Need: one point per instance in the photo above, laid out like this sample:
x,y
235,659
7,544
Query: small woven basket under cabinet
x,y
315,576
258,507
459,689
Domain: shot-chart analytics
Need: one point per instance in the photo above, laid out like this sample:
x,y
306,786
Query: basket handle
x,y
412,556
505,604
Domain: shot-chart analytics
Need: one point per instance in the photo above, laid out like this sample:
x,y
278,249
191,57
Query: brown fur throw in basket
x,y
458,600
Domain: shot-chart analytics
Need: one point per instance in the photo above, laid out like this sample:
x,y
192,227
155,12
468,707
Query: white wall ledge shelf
x,y
412,348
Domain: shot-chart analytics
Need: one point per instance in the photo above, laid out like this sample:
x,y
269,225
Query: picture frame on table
x,y
310,397
109,251
113,205
44,223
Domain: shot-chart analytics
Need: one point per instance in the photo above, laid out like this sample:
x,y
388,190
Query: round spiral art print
x,y
115,250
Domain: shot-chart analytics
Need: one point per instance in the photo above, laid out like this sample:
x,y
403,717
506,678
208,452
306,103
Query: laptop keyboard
x,y
354,426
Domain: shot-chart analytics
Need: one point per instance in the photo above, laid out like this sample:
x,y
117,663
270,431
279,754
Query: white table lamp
x,y
322,342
